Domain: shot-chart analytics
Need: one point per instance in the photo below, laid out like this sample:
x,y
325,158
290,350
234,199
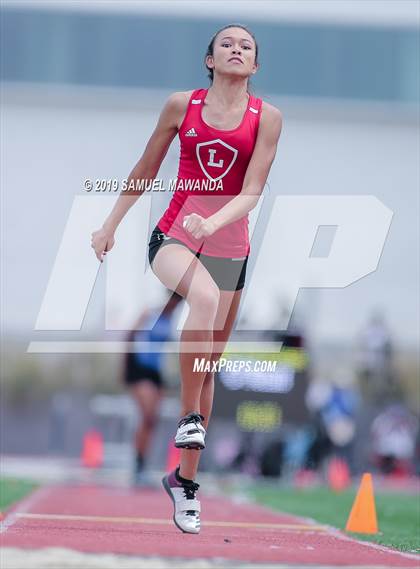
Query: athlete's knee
x,y
206,300
149,421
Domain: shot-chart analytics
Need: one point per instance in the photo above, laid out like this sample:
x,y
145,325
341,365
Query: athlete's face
x,y
233,53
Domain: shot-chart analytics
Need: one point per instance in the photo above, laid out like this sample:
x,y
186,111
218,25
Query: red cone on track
x,y
362,518
93,449
173,458
338,475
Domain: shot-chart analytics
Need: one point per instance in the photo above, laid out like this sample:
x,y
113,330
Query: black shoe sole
x,y
194,446
168,491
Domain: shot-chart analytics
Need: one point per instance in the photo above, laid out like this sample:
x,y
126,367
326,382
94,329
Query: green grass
x,y
12,490
398,514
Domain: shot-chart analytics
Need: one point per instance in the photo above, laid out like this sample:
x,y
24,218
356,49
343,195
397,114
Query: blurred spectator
x,y
333,405
378,384
143,375
393,434
374,359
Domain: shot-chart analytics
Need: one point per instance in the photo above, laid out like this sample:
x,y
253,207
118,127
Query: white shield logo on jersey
x,y
216,158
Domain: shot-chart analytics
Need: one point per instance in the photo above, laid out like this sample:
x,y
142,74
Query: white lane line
x,y
23,507
138,520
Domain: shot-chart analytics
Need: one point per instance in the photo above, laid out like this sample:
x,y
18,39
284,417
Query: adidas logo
x,y
191,132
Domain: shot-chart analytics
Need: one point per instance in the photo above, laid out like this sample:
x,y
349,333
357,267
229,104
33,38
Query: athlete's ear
x,y
256,67
210,61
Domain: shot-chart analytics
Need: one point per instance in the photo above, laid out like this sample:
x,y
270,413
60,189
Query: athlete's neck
x,y
228,92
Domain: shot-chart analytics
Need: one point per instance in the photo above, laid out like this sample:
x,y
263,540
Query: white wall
x,y
376,12
53,140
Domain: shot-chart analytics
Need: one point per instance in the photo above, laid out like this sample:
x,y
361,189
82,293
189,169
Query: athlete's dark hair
x,y
210,49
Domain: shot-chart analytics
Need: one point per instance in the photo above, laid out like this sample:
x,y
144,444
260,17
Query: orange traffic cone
x,y
93,449
173,458
338,474
362,518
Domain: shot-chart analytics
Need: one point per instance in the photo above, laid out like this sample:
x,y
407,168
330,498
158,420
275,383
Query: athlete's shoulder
x,y
177,104
271,113
179,100
271,121
175,108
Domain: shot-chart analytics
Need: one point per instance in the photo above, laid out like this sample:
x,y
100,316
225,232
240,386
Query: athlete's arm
x,y
146,169
255,178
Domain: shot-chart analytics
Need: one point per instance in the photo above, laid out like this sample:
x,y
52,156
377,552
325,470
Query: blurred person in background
x,y
378,381
394,432
333,405
200,246
374,356
142,374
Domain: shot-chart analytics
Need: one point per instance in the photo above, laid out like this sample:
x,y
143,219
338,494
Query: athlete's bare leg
x,y
147,397
179,270
225,318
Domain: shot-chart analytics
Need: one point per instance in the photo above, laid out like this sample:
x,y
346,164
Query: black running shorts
x,y
136,373
228,274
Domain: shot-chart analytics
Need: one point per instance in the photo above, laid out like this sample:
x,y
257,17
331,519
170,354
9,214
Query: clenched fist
x,y
102,242
198,226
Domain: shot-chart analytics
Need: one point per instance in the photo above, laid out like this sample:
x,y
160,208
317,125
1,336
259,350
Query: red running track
x,y
109,520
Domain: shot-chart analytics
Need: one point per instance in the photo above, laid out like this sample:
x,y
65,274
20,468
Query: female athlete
x,y
200,245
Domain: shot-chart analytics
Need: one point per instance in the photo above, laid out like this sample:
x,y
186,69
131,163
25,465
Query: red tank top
x,y
211,172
